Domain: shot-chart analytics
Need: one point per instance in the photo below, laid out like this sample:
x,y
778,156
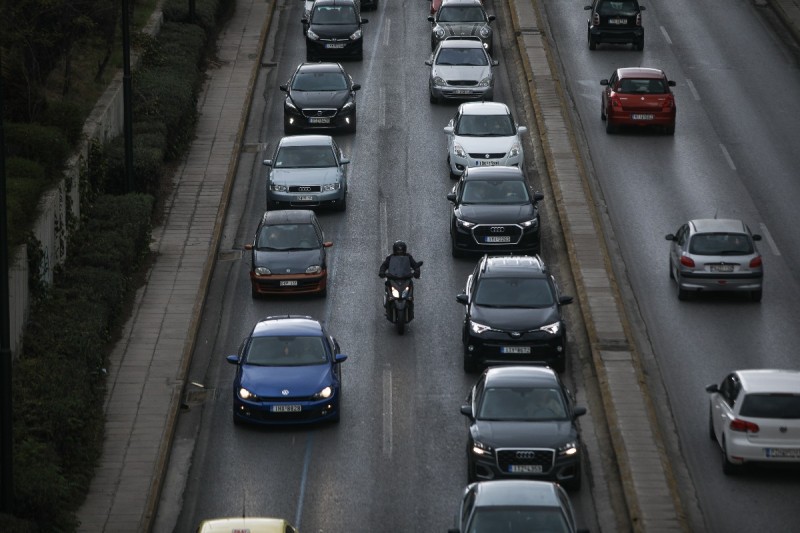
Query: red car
x,y
638,97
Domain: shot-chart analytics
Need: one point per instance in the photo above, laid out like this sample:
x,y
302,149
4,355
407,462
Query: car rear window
x,y
617,7
642,86
721,244
771,406
522,518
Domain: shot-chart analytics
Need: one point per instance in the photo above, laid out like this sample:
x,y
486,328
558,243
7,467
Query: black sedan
x,y
319,96
522,425
333,29
493,212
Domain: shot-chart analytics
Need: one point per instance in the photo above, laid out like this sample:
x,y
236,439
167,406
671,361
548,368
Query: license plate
x,y
289,283
791,453
485,163
640,116
617,21
286,408
305,198
721,268
525,469
319,120
502,238
335,45
462,91
515,349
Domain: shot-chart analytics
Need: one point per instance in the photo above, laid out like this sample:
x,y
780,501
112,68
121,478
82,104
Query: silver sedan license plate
x,y
525,469
286,408
305,198
721,268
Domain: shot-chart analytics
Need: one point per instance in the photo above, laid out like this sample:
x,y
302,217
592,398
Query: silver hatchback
x,y
715,255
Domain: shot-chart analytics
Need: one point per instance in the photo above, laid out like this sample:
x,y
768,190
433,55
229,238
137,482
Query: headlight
x,y
458,150
356,35
331,186
478,328
480,449
528,223
514,152
311,35
277,187
288,103
262,271
395,293
552,329
464,224
568,449
438,81
327,392
314,269
484,32
245,394
485,82
347,105
438,31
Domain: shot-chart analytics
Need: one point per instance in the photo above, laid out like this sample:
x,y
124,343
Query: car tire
x,y
472,475
756,295
469,365
670,129
610,128
683,294
561,365
602,111
574,484
671,273
592,43
711,433
639,45
433,99
342,206
353,127
728,468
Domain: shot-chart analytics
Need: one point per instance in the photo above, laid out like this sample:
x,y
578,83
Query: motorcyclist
x,y
399,261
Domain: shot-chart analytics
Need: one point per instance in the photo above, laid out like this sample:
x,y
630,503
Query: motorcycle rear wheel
x,y
400,325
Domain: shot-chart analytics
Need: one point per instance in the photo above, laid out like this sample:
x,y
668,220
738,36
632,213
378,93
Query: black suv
x,y
615,21
319,96
522,425
513,314
494,211
333,28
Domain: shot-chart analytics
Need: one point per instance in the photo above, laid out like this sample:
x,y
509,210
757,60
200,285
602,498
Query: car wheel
x,y
469,365
683,294
671,273
472,476
574,484
728,468
670,129
400,326
592,43
561,365
352,128
602,111
639,44
342,205
433,99
711,433
610,128
756,295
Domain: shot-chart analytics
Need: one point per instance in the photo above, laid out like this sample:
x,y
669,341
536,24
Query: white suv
x,y
483,134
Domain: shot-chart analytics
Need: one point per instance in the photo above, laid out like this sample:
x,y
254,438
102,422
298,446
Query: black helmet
x,y
399,247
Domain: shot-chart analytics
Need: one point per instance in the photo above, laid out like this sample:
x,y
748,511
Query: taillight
x,y
638,19
615,102
755,262
669,103
743,425
596,19
687,261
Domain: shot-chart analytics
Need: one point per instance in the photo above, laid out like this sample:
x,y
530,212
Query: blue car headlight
x,y
327,392
245,394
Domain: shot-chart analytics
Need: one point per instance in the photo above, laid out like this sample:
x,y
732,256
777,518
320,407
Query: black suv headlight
x,y
480,449
552,329
568,449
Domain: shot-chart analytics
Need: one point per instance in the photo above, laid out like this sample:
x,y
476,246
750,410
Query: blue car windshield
x,y
522,518
286,351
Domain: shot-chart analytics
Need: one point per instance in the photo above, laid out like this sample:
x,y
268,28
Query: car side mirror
x,y
491,18
604,82
756,237
565,300
712,388
267,162
466,410
449,130
327,244
522,129
364,21
430,18
344,161
578,411
248,246
671,83
495,62
233,359
451,196
462,298
587,8
669,237
429,62
356,86
538,197
339,358
283,88
642,8
304,20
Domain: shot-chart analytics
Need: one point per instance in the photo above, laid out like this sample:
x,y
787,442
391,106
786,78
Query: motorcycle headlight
x,y
439,32
331,187
278,187
514,152
464,224
482,450
314,269
311,35
356,35
534,222
395,293
438,81
478,328
245,394
327,392
458,150
552,329
485,82
568,449
262,271
484,32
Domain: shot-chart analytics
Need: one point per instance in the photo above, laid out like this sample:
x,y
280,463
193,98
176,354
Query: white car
x,y
755,417
483,134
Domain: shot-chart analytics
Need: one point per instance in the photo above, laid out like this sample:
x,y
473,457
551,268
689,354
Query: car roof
x,y
461,3
484,108
251,524
288,216
496,173
333,2
510,376
321,67
307,140
530,266
640,72
298,325
459,42
717,225
770,380
505,492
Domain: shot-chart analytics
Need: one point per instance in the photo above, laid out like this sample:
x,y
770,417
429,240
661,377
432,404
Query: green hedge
x,y
46,145
26,181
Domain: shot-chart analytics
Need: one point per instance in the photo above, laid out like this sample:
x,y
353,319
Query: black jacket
x,y
403,266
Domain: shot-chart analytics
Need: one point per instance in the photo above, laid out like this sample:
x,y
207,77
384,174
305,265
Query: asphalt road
x,y
396,461
734,154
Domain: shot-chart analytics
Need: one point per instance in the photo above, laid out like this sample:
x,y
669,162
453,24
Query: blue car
x,y
288,371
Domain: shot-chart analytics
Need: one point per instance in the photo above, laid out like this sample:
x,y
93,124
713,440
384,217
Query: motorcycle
x,y
398,298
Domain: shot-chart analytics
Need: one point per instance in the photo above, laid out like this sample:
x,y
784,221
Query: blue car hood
x,y
300,381
291,262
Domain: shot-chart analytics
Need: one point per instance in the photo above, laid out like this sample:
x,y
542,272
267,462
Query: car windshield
x,y
514,292
617,7
522,403
286,351
721,244
305,157
495,192
285,237
771,406
642,86
334,15
485,126
470,57
461,14
319,81
527,519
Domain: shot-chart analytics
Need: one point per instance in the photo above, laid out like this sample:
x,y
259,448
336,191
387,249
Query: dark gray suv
x,y
615,21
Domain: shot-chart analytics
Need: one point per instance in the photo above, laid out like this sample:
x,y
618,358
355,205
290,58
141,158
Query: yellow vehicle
x,y
246,525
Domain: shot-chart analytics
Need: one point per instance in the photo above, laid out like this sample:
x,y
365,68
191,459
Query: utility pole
x,y
127,94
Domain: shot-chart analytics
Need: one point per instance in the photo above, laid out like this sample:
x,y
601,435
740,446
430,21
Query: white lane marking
x,y
384,222
382,101
387,413
727,156
693,89
386,32
303,478
666,35
768,237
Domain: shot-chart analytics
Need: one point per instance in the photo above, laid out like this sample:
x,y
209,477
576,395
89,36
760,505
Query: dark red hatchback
x,y
638,97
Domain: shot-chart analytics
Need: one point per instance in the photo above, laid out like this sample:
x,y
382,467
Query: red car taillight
x,y
638,19
595,19
755,262
743,426
687,261
669,103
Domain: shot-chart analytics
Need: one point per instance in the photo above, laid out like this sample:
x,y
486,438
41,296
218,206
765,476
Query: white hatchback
x,y
754,415
483,134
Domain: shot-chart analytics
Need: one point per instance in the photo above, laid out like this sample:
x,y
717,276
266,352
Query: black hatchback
x,y
333,29
513,314
319,96
615,21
